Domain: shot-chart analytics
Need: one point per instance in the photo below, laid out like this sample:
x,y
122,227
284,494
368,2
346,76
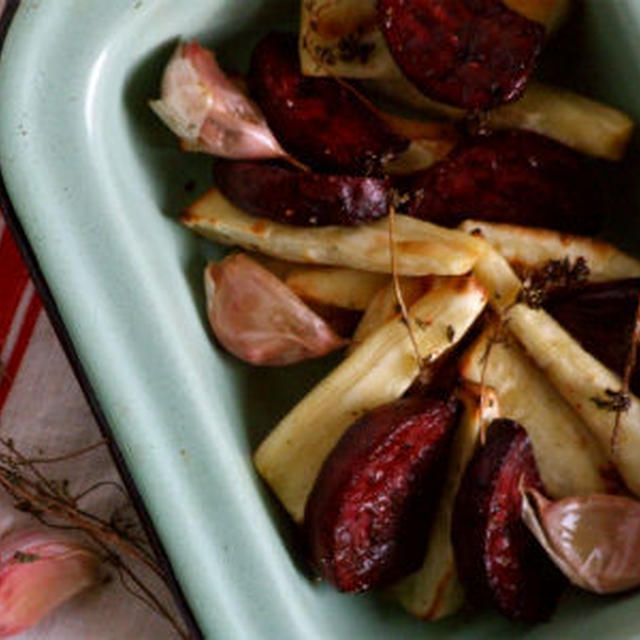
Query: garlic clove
x,y
256,317
39,570
209,112
593,539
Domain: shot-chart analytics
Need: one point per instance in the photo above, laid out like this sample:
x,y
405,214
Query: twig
x,y
99,485
398,289
30,493
45,499
341,81
296,163
22,460
148,598
64,458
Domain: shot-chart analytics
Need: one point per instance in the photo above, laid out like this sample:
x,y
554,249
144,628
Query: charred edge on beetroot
x,y
302,198
601,318
499,561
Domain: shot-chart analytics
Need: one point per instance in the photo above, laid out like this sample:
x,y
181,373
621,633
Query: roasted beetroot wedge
x,y
369,513
474,54
317,120
302,198
514,177
601,317
499,561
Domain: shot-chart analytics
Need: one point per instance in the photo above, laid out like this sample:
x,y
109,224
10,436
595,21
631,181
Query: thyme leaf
x,y
617,401
555,274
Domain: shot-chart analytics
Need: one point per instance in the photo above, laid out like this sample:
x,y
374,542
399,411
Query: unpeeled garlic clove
x,y
593,539
209,112
39,570
257,318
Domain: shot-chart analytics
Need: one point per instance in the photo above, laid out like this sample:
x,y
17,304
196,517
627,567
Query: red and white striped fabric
x,y
19,309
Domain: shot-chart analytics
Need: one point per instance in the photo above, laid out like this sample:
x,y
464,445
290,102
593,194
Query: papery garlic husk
x,y
209,112
593,539
39,570
256,317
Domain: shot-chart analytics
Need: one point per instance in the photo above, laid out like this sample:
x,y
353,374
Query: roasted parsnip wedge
x,y
335,286
578,122
380,371
383,307
420,155
342,35
280,268
341,38
569,459
434,591
551,13
585,383
444,132
531,249
498,277
430,143
422,248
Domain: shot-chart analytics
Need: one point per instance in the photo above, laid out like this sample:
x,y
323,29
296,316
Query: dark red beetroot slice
x,y
601,317
316,119
369,513
301,198
499,561
474,54
514,177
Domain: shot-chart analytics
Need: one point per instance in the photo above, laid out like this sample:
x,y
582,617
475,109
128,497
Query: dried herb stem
x,y
50,503
341,81
96,486
398,289
33,495
63,458
147,596
296,163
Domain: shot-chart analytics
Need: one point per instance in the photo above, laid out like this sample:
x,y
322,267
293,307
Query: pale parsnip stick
x,y
531,249
380,371
422,248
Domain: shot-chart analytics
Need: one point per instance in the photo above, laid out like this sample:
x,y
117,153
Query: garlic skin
x,y
209,112
257,318
39,570
593,539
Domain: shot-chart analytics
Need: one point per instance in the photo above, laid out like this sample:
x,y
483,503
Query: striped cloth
x,y
20,306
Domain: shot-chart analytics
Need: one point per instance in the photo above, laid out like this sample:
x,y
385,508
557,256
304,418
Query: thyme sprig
x,y
553,275
51,502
